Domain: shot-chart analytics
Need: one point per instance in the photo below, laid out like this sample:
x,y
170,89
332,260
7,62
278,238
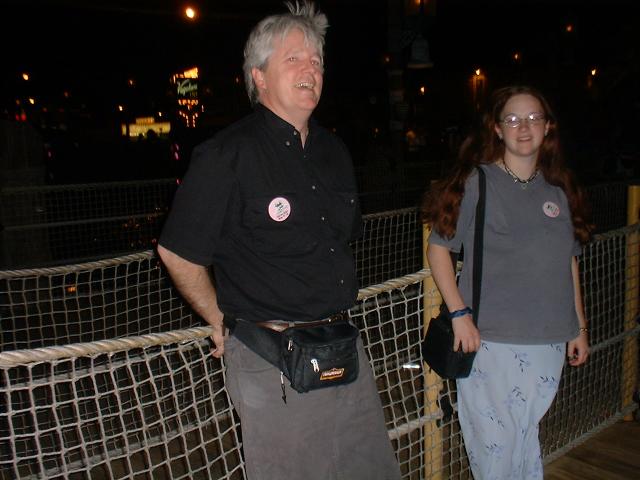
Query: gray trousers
x,y
335,433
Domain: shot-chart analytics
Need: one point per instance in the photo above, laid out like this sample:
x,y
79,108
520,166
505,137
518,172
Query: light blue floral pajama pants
x,y
501,404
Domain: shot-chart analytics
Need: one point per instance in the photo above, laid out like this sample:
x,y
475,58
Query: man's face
x,y
291,83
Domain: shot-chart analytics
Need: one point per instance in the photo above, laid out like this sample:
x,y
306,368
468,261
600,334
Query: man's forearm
x,y
193,282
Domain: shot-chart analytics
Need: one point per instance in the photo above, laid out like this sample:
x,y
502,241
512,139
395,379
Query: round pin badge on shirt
x,y
550,209
279,209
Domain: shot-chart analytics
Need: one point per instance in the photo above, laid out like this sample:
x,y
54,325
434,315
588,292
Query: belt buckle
x,y
275,325
337,317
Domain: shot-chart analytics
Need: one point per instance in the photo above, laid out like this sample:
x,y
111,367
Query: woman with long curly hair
x,y
531,311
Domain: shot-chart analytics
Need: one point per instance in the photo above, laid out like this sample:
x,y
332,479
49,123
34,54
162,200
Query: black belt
x,y
280,325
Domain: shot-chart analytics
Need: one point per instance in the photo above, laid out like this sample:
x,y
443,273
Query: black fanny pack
x,y
311,355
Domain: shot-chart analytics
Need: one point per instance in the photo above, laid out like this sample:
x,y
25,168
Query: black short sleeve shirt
x,y
273,218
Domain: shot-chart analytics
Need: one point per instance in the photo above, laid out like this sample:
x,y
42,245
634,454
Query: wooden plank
x,y
613,454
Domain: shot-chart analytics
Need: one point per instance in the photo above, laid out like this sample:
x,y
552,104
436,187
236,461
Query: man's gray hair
x,y
259,46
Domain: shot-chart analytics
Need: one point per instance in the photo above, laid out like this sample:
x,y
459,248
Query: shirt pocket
x,y
278,225
343,215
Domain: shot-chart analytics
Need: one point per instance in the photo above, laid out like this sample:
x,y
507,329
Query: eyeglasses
x,y
513,121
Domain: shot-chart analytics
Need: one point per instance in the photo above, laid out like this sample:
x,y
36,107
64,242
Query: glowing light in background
x,y
190,13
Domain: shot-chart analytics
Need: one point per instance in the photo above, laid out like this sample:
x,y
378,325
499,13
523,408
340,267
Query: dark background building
x,y
95,65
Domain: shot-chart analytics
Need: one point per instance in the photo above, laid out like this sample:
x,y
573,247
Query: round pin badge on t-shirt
x,y
279,209
550,209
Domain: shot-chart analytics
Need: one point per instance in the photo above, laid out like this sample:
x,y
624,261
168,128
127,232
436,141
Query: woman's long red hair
x,y
441,204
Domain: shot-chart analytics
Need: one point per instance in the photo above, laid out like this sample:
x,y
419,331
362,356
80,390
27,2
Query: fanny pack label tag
x,y
332,374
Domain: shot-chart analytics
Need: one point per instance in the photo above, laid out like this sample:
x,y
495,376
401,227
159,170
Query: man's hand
x,y
218,334
466,335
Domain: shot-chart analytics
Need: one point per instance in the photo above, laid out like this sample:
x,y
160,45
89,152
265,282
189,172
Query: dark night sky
x,y
91,48
101,39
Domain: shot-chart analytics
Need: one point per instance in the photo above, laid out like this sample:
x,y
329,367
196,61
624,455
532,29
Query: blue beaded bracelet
x,y
460,313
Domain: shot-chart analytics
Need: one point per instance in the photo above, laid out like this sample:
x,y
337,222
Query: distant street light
x,y
591,77
478,87
190,13
25,77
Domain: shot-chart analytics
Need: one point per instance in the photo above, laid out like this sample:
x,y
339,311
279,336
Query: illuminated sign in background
x,y
143,125
186,85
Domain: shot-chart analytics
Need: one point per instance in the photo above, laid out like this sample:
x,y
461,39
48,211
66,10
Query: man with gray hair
x,y
270,203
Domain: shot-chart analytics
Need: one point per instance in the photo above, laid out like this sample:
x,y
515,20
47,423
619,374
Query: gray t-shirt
x,y
527,292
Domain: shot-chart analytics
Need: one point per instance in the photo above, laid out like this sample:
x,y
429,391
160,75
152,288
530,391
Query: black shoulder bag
x,y
437,345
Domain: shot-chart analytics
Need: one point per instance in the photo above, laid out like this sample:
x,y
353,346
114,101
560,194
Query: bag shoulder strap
x,y
478,243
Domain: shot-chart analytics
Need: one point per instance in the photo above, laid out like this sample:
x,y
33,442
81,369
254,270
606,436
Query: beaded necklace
x,y
517,179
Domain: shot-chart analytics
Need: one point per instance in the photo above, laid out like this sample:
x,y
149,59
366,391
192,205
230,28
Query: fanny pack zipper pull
x,y
284,393
316,367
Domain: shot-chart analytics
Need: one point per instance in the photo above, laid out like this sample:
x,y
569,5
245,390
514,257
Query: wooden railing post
x,y
432,382
632,292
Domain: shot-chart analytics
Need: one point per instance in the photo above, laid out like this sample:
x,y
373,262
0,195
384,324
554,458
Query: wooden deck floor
x,y
613,454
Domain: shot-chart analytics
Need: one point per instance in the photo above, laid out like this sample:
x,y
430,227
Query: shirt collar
x,y
283,128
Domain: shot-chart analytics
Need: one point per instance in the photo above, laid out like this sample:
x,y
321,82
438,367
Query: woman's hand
x,y
466,335
578,349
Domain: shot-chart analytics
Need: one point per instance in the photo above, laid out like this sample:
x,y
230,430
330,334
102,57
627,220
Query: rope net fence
x,y
63,224
72,223
106,373
390,246
608,204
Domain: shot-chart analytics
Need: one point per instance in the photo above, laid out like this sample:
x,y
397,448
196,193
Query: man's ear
x,y
258,78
